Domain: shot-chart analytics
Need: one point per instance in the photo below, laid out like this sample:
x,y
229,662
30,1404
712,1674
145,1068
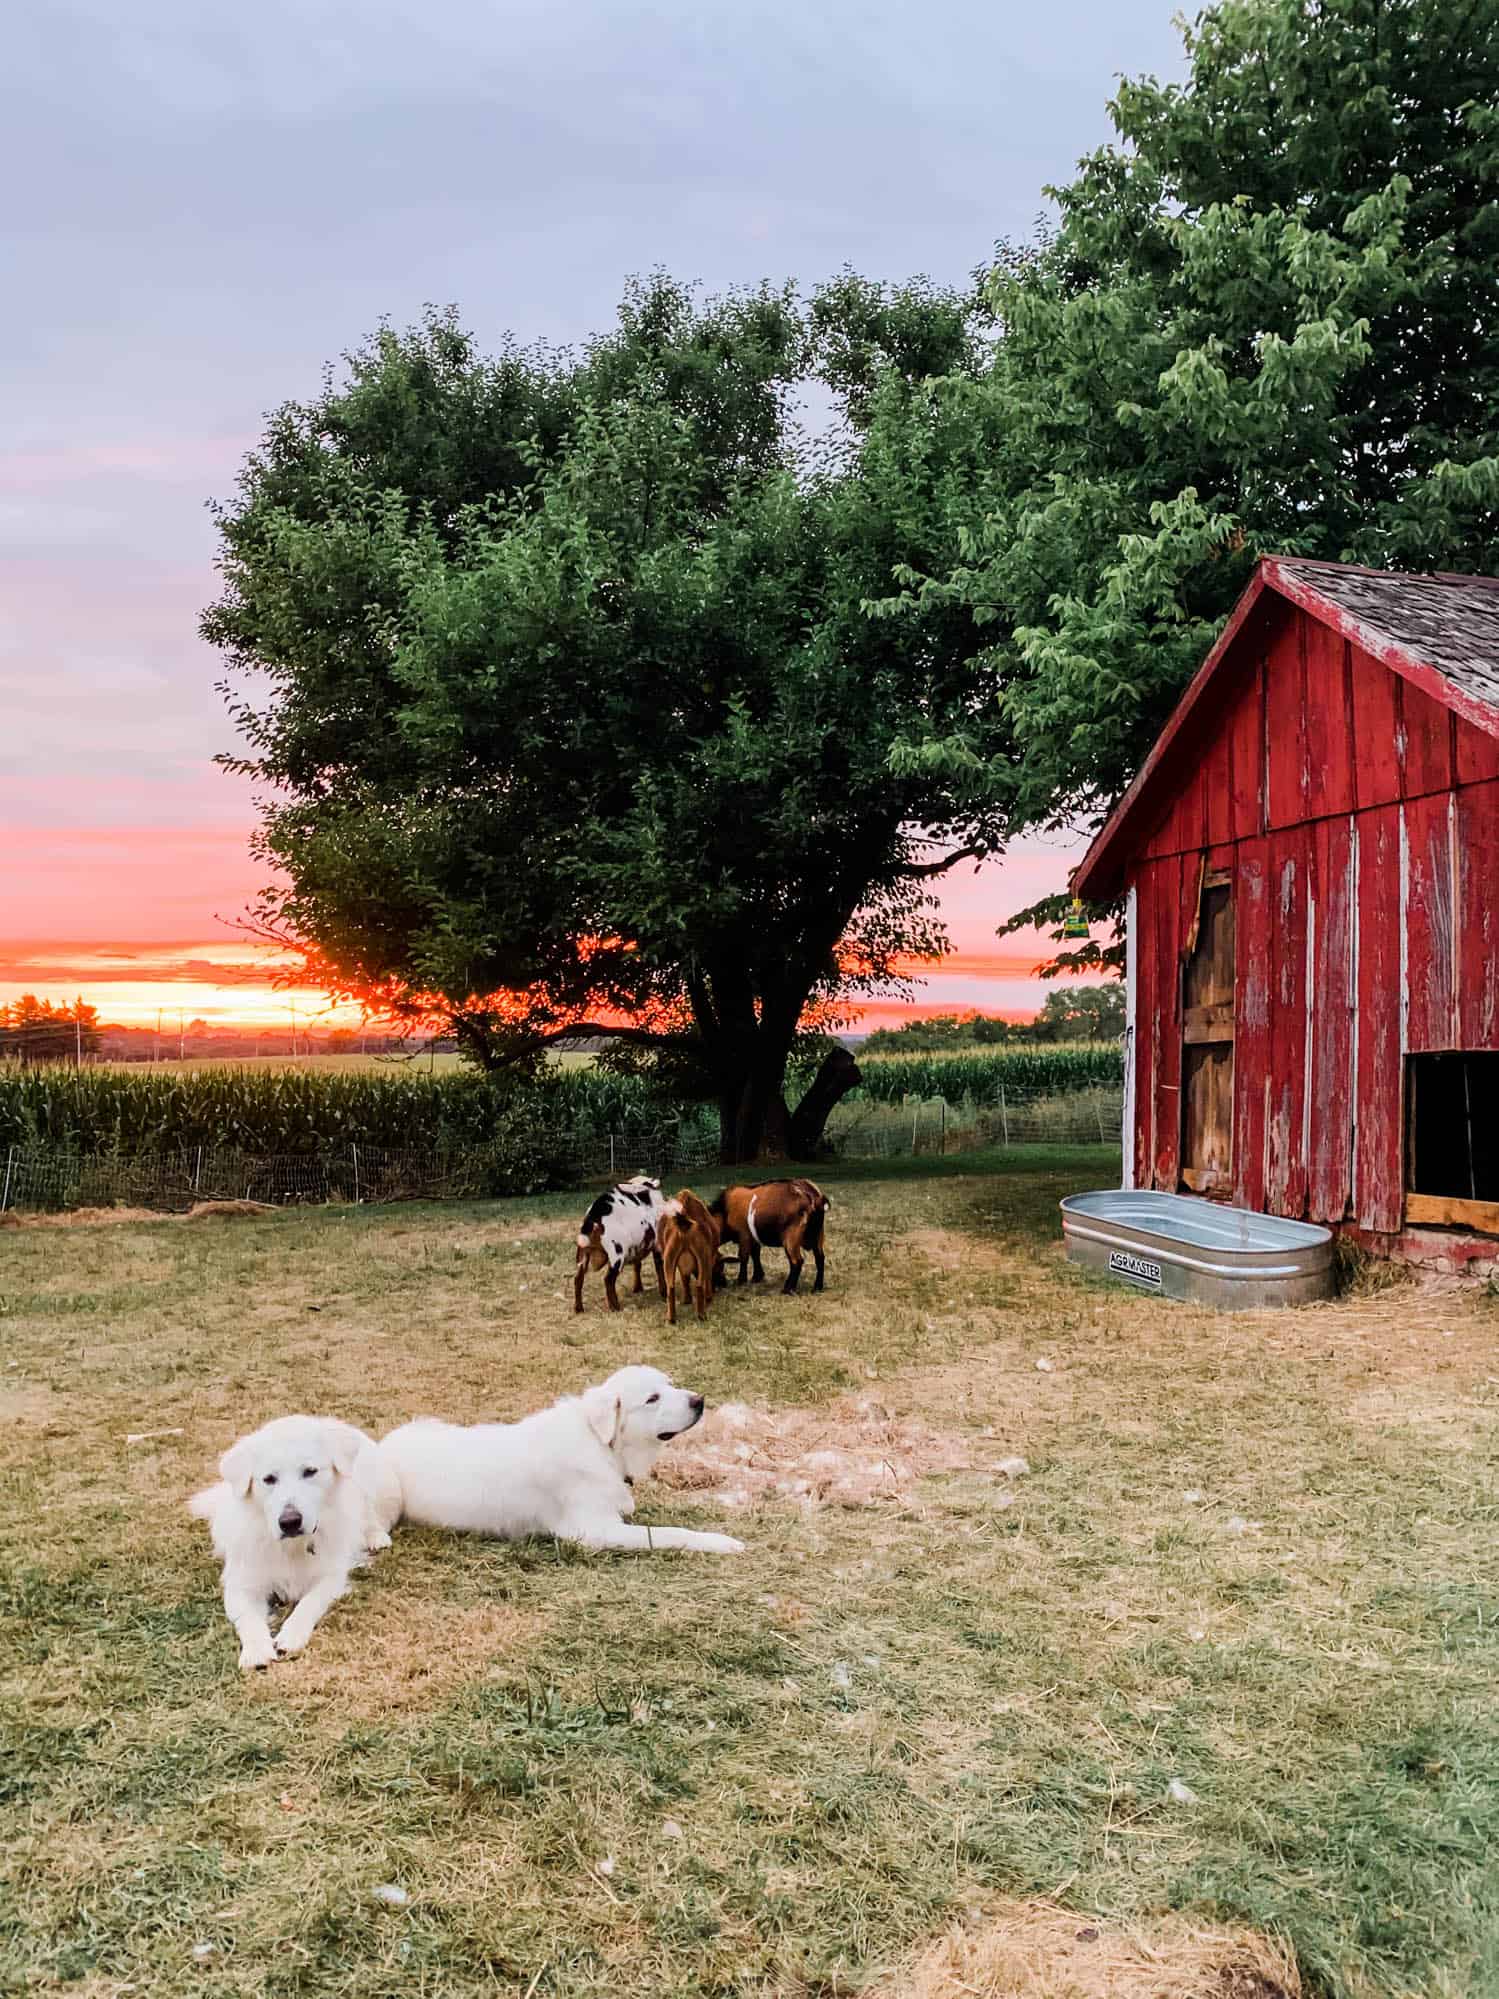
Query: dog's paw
x,y
721,1544
289,1643
257,1652
377,1542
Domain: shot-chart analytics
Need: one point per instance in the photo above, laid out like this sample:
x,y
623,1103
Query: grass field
x,y
924,1745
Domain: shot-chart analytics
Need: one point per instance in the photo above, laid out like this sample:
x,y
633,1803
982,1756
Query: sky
x,y
210,205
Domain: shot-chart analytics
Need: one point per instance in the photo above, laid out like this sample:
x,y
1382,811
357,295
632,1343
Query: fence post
x,y
1098,1108
942,1139
353,1147
915,1122
1004,1115
611,1155
198,1173
10,1160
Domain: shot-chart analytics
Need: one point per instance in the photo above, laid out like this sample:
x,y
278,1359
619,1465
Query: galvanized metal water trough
x,y
1181,1247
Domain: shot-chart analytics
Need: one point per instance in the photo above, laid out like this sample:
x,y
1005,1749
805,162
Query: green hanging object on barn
x,y
1074,923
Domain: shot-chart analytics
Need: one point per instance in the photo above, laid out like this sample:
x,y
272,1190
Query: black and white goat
x,y
621,1227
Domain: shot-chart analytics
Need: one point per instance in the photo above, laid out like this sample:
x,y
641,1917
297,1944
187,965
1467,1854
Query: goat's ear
x,y
603,1411
344,1443
237,1468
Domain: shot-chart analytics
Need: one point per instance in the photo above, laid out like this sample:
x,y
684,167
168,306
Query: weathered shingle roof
x,y
1448,622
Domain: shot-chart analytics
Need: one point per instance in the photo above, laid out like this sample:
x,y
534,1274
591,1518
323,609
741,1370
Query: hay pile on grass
x,y
854,1453
1034,1950
74,1218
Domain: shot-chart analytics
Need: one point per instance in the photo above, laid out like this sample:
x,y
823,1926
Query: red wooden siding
x,y
1285,769
1245,730
1378,1082
1375,704
1168,942
1330,1080
1430,1007
1251,1019
1477,755
1147,1028
1328,723
1285,1152
1476,821
1358,821
1426,743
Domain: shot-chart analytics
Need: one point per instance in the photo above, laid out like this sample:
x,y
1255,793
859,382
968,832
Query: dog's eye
x,y
270,1478
309,1471
650,1399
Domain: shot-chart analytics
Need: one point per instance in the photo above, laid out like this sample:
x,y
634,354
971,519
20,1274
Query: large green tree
x,y
1267,320
556,679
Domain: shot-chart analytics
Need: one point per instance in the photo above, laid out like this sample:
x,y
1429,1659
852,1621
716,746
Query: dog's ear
x,y
237,1468
603,1410
344,1443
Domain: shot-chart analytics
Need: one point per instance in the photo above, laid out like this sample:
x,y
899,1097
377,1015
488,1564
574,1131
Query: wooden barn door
x,y
1208,1042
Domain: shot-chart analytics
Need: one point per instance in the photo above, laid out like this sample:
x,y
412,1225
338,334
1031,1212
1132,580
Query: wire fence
x,y
175,1181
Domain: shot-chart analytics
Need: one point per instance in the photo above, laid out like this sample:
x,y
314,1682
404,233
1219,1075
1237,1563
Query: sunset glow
x,y
145,967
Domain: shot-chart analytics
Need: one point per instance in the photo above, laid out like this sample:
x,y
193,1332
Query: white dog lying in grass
x,y
300,1503
567,1470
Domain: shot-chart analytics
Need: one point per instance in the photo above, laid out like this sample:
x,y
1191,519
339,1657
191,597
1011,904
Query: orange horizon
x,y
234,988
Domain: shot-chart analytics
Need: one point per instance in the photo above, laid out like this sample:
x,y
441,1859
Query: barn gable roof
x,y
1439,632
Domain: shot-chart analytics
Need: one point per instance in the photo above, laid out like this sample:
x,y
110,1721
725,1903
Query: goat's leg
x,y
791,1242
611,1285
660,1272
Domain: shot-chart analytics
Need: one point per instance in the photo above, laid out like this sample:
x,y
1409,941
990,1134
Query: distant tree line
x,y
1070,1013
34,1030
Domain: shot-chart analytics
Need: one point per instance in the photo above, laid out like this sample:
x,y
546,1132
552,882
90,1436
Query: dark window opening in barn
x,y
1453,1126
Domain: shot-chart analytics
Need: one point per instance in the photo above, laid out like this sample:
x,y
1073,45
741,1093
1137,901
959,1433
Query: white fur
x,y
299,1504
629,1229
565,1471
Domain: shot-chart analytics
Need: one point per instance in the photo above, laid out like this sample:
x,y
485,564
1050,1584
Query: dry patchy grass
x,y
915,1742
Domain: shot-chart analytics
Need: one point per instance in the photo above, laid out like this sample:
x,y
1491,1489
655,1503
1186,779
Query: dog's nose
x,y
289,1520
695,1404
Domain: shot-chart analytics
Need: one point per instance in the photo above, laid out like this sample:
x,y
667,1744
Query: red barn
x,y
1310,861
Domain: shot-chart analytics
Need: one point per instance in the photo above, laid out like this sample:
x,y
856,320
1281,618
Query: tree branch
x,y
645,1037
920,870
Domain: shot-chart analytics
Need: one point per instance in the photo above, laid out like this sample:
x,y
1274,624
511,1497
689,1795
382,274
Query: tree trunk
x,y
838,1074
753,1121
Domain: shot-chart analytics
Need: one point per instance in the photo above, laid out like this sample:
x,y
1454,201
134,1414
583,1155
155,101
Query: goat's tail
x,y
820,1206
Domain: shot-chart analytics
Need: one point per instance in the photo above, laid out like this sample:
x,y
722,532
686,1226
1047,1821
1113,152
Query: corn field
x,y
982,1076
284,1111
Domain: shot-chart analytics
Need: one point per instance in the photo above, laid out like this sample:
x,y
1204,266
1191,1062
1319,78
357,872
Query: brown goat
x,y
775,1214
688,1235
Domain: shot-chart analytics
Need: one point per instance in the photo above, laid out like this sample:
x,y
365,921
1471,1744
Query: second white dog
x,y
299,1504
567,1471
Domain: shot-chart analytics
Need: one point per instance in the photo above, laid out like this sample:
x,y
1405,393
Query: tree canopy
x,y
557,672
